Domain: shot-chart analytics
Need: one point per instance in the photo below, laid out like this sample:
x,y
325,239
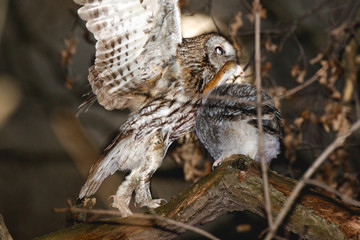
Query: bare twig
x,y
343,197
300,87
251,60
307,83
4,233
3,14
300,185
153,216
290,29
264,168
302,56
212,16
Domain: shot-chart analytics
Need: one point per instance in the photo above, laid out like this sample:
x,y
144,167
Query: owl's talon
x,y
162,201
153,203
119,204
217,163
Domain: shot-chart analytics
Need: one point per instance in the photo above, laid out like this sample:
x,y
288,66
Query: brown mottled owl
x,y
143,63
226,123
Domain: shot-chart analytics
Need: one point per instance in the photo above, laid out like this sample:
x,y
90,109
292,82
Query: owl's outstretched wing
x,y
135,41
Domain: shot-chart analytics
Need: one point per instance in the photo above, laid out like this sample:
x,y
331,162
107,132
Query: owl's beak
x,y
230,70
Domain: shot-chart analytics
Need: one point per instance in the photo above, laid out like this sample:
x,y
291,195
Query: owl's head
x,y
202,57
219,51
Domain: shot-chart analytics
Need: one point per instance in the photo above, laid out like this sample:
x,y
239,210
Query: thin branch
x,y
264,167
4,232
310,12
357,102
251,60
153,216
3,15
300,87
289,30
343,197
300,185
302,56
212,16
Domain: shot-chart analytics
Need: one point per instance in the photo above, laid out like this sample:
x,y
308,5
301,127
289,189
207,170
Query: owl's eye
x,y
219,50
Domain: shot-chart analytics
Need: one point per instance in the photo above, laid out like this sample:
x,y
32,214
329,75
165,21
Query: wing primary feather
x,y
88,102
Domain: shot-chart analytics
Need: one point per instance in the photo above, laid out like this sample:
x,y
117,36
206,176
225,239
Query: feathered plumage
x,y
142,63
226,123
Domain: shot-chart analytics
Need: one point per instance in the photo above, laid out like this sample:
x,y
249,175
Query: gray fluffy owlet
x,y
226,123
143,63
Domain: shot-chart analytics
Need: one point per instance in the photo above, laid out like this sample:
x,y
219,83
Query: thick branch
x,y
4,233
234,186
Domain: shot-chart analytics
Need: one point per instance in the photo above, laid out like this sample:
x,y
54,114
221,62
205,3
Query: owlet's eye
x,y
219,50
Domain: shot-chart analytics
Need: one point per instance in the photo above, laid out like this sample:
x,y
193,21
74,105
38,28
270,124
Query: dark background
x,y
46,152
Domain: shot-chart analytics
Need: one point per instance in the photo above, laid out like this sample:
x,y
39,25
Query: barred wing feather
x,y
135,41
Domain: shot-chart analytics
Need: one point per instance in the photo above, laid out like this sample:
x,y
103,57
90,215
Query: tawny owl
x,y
143,63
226,123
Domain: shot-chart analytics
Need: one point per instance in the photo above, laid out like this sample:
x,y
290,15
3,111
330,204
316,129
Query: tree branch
x,y
234,186
4,233
301,184
264,167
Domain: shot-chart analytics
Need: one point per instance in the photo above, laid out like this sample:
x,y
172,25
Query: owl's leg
x,y
124,193
152,161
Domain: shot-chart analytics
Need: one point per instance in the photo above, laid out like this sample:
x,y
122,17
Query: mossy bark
x,y
234,186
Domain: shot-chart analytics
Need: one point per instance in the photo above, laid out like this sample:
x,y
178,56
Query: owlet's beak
x,y
230,70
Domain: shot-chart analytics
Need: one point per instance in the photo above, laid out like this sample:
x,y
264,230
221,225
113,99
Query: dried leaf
x,y
251,16
68,52
266,68
190,154
69,81
299,74
292,138
336,94
276,91
322,73
294,70
339,31
298,122
243,228
357,59
236,24
335,118
269,46
316,59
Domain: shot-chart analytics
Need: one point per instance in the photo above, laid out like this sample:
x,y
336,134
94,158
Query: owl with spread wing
x,y
143,63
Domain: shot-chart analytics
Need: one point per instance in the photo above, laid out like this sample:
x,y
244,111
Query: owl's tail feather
x,y
89,188
102,168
